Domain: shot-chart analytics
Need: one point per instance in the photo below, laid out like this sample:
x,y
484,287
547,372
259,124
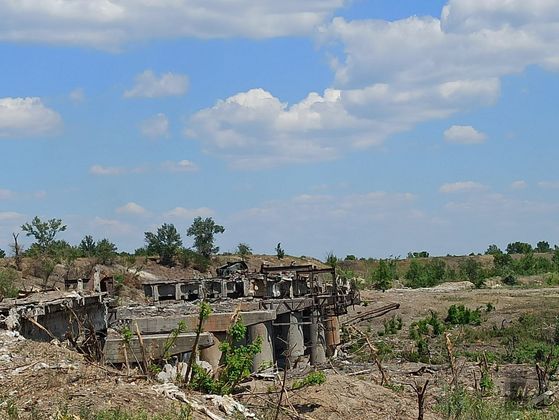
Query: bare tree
x,y
17,251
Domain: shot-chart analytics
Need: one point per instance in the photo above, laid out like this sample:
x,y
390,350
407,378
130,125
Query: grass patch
x,y
461,405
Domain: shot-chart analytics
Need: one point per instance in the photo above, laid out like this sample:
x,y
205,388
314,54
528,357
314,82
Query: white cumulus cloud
x,y
389,76
462,186
106,170
155,127
77,95
149,85
549,185
519,185
464,134
114,170
10,216
27,117
109,24
180,166
6,194
131,208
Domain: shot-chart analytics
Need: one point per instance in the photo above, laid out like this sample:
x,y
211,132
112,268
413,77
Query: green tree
x,y
244,250
502,262
350,257
280,253
471,270
331,259
105,252
493,250
519,248
43,232
543,246
381,277
165,243
426,274
87,246
2,253
203,231
421,254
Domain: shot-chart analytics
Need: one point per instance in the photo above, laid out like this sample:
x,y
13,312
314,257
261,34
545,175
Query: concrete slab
x,y
154,345
217,322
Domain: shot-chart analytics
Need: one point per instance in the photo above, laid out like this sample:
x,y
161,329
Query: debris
x,y
373,313
230,406
171,391
544,399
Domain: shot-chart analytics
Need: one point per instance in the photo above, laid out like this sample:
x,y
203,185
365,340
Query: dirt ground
x,y
38,380
46,378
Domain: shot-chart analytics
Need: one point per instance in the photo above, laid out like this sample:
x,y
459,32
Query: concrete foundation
x,y
295,337
265,358
212,354
318,340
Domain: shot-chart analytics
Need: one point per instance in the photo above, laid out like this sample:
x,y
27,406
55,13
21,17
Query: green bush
x,y
425,274
460,315
470,269
392,325
313,378
458,404
237,363
7,278
381,277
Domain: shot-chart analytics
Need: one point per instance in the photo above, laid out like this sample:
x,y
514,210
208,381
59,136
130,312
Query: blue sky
x,y
360,127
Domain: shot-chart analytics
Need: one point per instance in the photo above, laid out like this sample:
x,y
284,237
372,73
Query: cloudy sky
x,y
362,127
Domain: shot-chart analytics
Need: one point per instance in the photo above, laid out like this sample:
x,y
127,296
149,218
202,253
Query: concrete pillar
x,y
178,291
212,354
265,358
295,337
318,340
155,292
97,279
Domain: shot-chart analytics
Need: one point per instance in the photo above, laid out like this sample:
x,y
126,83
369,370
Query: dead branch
x,y
143,349
41,328
374,355
420,392
543,374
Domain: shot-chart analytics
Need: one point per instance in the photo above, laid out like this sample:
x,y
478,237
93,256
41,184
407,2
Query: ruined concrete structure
x,y
293,309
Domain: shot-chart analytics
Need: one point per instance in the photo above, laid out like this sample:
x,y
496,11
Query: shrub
x,y
313,378
426,274
237,362
2,253
244,250
280,253
381,277
471,270
7,278
460,315
331,259
430,325
392,325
